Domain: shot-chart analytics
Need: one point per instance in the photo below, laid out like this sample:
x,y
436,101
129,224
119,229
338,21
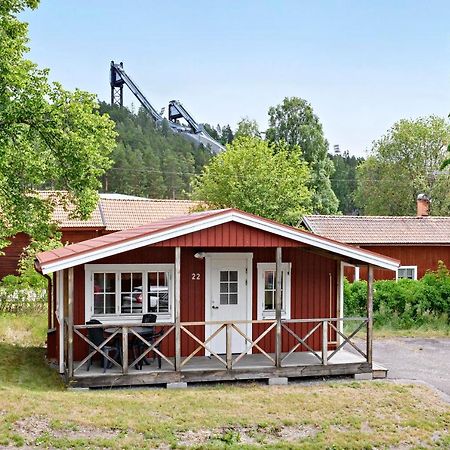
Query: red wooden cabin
x,y
418,242
235,295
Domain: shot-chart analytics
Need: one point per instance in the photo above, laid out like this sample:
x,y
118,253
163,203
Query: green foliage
x,y
150,161
343,181
403,163
294,122
224,134
247,127
403,303
252,176
49,137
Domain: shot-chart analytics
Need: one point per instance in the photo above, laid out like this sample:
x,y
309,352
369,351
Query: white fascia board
x,y
317,241
307,224
254,222
143,241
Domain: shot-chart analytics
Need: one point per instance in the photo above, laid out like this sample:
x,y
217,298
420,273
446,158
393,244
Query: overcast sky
x,y
362,65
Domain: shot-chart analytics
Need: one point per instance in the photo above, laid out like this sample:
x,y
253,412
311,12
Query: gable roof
x,y
380,230
116,212
163,230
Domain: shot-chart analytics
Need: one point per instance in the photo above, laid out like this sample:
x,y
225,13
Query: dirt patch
x,y
34,427
247,435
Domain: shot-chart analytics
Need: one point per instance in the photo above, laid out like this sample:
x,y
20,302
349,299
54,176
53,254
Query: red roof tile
x,y
116,212
381,229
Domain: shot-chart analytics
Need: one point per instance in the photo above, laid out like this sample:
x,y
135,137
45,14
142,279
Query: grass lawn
x,y
36,410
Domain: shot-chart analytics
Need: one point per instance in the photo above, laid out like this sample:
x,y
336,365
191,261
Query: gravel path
x,y
425,360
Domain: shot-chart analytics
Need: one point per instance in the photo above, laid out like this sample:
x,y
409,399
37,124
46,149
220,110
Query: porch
x,y
254,363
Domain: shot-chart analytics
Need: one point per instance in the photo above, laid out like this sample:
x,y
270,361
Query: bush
x,y
403,303
22,300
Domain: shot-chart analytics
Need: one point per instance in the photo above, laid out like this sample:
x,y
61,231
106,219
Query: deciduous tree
x,y
252,176
49,137
404,162
294,122
247,127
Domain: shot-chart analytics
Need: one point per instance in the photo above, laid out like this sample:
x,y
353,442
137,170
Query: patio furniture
x,y
150,336
95,335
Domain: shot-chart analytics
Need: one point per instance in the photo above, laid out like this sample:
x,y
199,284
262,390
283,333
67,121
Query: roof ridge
x,y
336,216
144,199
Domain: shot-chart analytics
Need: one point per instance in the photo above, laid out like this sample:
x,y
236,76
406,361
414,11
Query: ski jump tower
x,y
192,130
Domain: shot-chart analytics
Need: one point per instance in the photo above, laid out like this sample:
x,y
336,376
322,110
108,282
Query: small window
x,y
228,287
409,272
131,292
158,292
267,290
104,293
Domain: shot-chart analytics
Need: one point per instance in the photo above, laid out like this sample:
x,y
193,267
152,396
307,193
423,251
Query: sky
x,y
362,65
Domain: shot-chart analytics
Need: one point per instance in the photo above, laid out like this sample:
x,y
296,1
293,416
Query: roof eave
x,y
219,218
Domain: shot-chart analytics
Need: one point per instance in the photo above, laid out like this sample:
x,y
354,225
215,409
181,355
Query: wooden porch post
x,y
177,308
70,320
369,313
278,307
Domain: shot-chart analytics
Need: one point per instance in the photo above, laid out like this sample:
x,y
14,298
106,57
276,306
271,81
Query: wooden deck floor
x,y
207,369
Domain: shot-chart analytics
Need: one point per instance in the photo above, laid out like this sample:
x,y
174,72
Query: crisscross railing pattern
x,y
323,328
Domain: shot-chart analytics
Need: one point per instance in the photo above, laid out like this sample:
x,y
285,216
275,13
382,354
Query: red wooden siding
x,y
9,261
230,234
424,257
312,278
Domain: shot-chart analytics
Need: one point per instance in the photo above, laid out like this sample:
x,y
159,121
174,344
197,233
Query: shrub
x,y
403,303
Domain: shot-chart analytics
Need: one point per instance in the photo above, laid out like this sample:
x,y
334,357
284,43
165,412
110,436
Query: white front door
x,y
228,293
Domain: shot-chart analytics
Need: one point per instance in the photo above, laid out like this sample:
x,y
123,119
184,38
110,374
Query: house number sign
x,y
195,276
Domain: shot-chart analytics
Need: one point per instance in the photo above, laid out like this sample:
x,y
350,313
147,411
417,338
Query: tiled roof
x,y
61,214
116,212
129,213
381,229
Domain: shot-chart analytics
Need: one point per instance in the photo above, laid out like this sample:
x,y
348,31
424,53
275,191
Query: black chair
x,y
150,336
95,335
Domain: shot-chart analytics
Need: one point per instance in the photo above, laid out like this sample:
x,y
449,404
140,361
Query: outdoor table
x,y
142,331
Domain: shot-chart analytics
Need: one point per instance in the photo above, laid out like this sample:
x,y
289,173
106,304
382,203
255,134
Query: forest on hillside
x,y
152,161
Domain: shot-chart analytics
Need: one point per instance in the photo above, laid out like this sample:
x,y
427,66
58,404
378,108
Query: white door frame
x,y
209,257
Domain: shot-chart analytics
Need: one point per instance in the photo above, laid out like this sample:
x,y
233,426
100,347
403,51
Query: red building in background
x,y
418,242
114,212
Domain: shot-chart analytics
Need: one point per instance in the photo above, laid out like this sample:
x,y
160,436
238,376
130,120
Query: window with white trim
x,y
128,291
409,272
267,289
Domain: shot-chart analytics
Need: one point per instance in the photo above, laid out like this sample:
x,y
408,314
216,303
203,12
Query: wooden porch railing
x,y
229,360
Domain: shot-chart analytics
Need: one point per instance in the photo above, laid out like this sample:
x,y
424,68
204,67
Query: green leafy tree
x,y
49,137
227,135
403,163
294,122
252,176
247,127
343,181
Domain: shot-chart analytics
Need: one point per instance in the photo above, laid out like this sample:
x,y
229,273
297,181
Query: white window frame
x,y
90,269
270,314
406,267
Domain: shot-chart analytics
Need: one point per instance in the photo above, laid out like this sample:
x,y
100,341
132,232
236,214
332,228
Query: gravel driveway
x,y
426,360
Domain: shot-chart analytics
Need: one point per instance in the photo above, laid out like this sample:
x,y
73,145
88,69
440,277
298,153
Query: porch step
x,y
379,372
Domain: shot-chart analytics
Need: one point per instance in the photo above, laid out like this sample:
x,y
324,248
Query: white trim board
x,y
219,219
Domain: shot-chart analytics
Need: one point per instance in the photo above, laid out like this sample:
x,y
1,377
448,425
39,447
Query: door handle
x,y
215,307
